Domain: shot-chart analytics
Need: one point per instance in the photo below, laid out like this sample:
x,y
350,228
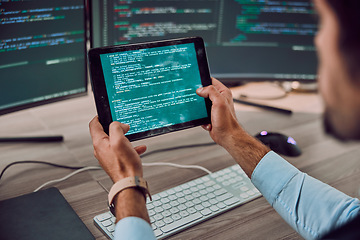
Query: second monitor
x,y
245,40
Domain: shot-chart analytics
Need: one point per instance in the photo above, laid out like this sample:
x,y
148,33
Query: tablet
x,y
151,86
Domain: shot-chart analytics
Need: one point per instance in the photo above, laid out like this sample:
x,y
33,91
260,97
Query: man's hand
x,y
223,118
115,153
120,160
227,132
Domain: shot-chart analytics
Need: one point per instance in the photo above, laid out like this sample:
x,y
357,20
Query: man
x,y
311,207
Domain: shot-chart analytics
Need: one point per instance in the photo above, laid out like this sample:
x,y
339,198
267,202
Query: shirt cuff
x,y
133,228
271,175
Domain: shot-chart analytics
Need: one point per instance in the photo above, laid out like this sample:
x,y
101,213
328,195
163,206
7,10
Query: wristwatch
x,y
129,182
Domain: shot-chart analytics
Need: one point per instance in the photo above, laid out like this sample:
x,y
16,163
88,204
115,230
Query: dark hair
x,y
347,12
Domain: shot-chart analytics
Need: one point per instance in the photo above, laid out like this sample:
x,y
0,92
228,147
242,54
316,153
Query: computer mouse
x,y
279,143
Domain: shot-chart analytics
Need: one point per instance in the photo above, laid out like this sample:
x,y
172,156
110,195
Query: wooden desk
x,y
323,157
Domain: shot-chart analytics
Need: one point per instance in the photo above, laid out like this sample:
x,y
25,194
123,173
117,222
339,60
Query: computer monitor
x,y
42,52
246,40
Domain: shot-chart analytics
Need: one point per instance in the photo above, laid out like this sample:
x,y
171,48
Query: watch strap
x,y
129,182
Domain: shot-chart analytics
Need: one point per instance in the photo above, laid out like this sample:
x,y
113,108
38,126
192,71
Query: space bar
x,y
181,222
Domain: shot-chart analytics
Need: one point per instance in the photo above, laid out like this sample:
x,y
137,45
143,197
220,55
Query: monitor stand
x,y
32,139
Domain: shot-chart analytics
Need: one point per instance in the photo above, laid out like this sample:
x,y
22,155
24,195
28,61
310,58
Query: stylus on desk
x,y
280,110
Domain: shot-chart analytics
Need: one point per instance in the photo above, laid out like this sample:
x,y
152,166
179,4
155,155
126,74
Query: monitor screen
x,y
42,52
245,39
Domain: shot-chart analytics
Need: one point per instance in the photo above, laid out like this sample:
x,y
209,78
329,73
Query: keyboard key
x,y
181,222
166,206
244,195
158,209
206,204
199,207
174,210
191,210
220,192
231,201
182,207
185,186
176,217
217,186
206,212
170,192
187,192
155,197
172,197
224,197
150,206
158,217
168,220
103,216
157,233
180,194
204,198
189,197
111,228
174,203
160,223
166,213
221,205
106,223
184,214
250,193
214,208
210,195
163,194
244,188
151,213
157,203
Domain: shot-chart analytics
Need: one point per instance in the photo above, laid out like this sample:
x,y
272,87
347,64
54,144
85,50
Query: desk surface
x,y
323,157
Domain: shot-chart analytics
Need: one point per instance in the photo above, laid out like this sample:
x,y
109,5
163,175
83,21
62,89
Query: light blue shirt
x,y
311,207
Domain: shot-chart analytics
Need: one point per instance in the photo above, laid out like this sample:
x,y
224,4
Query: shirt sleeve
x,y
311,207
133,228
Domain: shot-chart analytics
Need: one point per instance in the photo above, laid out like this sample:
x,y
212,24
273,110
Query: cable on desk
x,y
177,166
38,162
80,169
178,147
68,176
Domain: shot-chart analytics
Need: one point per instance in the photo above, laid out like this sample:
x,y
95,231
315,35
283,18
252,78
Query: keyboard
x,y
183,206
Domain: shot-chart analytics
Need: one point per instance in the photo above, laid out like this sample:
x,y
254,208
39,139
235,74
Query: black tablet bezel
x,y
100,93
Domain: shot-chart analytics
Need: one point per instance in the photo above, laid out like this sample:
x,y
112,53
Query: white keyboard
x,y
178,208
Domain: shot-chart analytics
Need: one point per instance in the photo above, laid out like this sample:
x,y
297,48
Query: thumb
x,y
140,149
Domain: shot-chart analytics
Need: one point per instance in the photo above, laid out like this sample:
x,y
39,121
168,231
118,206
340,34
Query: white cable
x,y
176,165
68,176
97,168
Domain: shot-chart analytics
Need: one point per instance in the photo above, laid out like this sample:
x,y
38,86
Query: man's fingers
x,y
140,149
207,127
96,130
117,132
209,92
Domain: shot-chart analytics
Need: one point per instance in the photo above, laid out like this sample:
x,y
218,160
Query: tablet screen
x,y
155,87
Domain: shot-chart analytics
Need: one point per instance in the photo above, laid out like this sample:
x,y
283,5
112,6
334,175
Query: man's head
x,y
338,45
